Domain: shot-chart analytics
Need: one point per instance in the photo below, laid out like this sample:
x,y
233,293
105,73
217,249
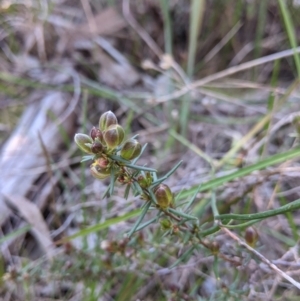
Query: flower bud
x,y
93,132
114,136
251,236
97,147
96,133
142,181
164,196
84,142
102,163
165,224
145,182
98,172
131,149
214,247
149,177
106,120
122,179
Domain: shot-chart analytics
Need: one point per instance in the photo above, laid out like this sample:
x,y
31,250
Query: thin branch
x,y
262,258
227,72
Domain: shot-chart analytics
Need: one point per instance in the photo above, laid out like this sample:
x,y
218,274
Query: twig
x,y
140,30
262,258
227,72
223,42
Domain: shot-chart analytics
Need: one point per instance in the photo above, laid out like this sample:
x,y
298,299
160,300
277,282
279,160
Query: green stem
x,y
262,215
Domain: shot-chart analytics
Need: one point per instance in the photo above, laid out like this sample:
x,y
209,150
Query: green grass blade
x,y
290,31
196,16
15,234
216,182
192,147
102,226
167,25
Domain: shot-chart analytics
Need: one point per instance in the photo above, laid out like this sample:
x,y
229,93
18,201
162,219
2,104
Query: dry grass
x,y
62,64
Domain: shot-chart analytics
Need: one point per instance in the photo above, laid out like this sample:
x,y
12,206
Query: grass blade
x,y
15,234
216,182
196,16
290,31
98,227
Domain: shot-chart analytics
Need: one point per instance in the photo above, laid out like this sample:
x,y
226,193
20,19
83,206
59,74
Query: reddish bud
x,y
96,134
251,236
98,172
102,162
97,147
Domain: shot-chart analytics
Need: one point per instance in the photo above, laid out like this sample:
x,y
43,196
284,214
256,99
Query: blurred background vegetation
x,y
213,83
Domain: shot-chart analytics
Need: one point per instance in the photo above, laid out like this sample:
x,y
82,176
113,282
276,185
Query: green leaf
x,y
144,168
189,204
143,149
181,214
119,159
112,181
87,158
127,190
106,192
139,220
144,225
158,181
185,256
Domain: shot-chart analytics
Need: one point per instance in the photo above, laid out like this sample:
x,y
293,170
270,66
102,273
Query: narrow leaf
x,y
181,214
183,257
144,168
87,158
127,190
112,182
143,149
166,175
139,220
